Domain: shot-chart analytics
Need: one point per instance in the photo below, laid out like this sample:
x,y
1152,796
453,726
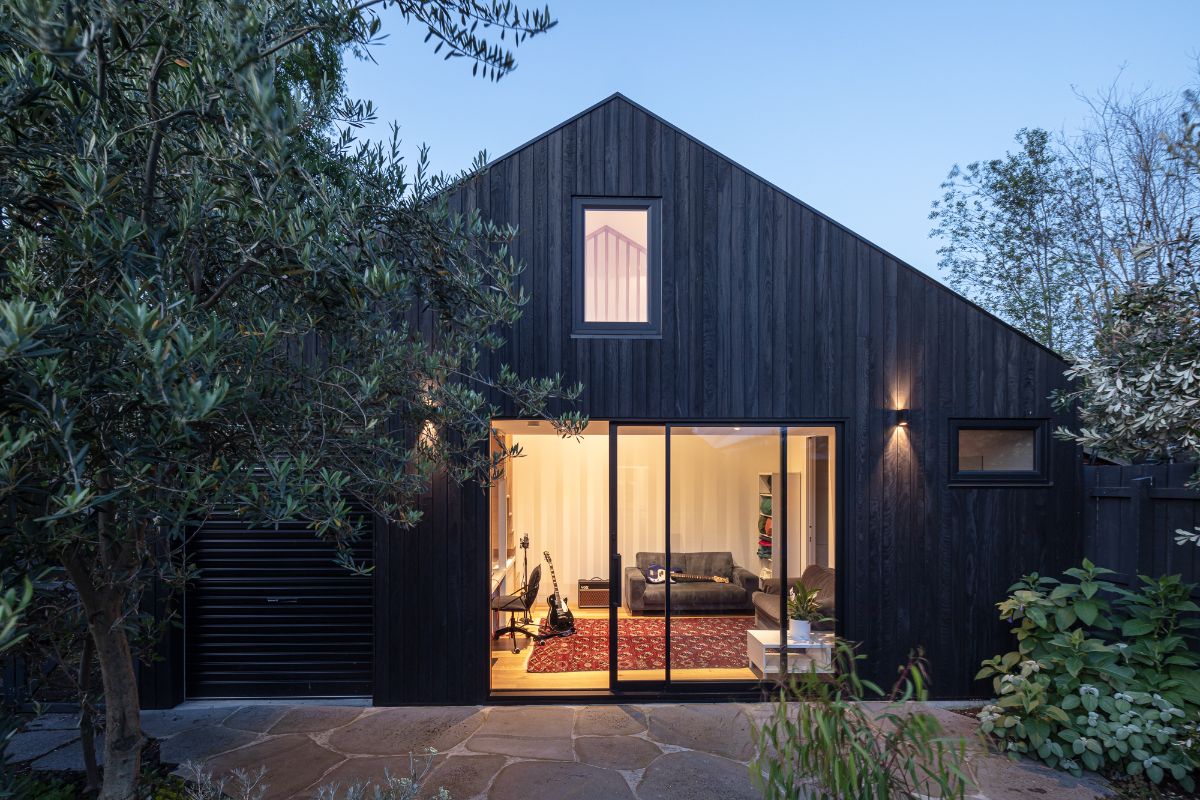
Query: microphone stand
x,y
528,620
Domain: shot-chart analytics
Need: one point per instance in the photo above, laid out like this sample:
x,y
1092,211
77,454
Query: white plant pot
x,y
799,630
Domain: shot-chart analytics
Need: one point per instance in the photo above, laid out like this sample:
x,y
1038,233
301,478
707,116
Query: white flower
x,y
1093,718
1120,645
1029,665
1087,689
1122,696
1068,764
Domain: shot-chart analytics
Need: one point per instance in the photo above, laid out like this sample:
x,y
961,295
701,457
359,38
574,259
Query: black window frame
x,y
652,328
1039,475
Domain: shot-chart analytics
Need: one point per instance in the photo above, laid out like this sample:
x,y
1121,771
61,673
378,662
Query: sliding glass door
x,y
637,630
710,526
720,541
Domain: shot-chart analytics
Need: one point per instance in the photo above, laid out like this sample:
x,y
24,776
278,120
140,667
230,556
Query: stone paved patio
x,y
610,752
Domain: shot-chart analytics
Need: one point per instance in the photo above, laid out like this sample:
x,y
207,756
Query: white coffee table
x,y
763,649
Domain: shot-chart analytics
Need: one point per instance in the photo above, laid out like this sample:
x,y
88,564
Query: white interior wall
x,y
560,498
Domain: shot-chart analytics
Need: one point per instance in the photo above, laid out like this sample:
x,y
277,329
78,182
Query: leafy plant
x,y
13,604
823,742
216,294
803,605
246,785
1102,676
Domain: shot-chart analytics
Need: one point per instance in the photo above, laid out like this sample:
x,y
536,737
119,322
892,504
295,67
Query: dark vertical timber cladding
x,y
771,311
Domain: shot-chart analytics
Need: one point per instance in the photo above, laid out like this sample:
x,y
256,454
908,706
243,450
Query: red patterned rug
x,y
696,643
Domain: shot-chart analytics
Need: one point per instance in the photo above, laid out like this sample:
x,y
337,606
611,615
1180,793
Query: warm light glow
x,y
616,265
902,417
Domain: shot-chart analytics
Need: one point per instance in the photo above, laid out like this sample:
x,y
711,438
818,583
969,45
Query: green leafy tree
x,y
13,604
1003,225
1052,235
1138,388
212,295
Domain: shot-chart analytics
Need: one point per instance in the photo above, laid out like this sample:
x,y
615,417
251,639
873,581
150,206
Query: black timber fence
x,y
1130,518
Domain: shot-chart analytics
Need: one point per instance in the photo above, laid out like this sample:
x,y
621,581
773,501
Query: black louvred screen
x,y
272,615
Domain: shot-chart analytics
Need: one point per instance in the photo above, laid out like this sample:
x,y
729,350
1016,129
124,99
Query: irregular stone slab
x,y
392,731
718,728
255,718
53,722
293,763
609,721
561,781
545,749
28,745
959,725
684,774
310,719
539,721
528,732
160,724
616,752
202,742
68,758
758,713
1000,778
463,776
372,770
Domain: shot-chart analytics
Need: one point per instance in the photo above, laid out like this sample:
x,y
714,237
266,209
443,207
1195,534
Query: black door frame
x,y
666,687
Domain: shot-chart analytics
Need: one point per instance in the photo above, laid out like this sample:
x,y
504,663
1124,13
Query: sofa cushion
x,y
767,605
696,596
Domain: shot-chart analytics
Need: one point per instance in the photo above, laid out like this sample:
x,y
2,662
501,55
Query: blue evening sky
x,y
859,109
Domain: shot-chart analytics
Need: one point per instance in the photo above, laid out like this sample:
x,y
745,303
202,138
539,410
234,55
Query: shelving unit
x,y
765,528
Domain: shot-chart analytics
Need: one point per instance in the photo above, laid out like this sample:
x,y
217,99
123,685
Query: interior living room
x,y
707,607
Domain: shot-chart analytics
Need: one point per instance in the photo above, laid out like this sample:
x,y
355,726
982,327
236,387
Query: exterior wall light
x,y
902,417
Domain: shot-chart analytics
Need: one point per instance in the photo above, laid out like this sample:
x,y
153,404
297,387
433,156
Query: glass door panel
x,y
637,628
804,562
724,485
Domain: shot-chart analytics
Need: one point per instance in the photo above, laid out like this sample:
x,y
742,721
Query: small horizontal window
x,y
998,451
617,267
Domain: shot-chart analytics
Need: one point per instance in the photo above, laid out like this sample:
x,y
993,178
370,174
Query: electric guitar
x,y
657,574
560,618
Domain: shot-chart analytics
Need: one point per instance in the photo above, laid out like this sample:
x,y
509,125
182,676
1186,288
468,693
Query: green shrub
x,y
822,742
1102,677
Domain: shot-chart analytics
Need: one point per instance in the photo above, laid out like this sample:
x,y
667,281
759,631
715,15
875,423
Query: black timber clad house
x,y
769,313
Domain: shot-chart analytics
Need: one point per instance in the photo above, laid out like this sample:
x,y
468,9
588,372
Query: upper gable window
x,y
617,267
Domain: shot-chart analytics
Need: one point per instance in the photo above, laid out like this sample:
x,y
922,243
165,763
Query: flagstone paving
x,y
610,752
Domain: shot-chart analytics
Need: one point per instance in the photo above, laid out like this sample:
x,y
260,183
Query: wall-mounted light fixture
x,y
902,417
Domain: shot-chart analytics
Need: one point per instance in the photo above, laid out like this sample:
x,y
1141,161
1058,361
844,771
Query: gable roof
x,y
618,97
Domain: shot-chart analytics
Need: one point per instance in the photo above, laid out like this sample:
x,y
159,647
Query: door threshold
x,y
700,694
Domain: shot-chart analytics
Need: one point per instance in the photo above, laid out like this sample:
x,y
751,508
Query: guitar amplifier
x,y
592,594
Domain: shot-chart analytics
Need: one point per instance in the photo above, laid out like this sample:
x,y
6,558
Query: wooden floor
x,y
508,668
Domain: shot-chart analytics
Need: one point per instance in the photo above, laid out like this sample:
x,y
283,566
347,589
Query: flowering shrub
x,y
1101,677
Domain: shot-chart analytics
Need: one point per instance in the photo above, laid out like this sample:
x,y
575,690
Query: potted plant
x,y
803,611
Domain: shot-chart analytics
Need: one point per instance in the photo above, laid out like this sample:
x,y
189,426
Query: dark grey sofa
x,y
642,597
766,600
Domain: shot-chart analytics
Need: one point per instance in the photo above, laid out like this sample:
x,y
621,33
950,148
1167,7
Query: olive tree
x,y
213,295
